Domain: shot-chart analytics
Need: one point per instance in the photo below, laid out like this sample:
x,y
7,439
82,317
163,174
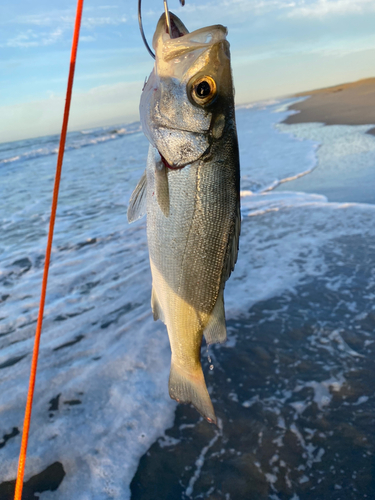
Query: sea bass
x,y
190,191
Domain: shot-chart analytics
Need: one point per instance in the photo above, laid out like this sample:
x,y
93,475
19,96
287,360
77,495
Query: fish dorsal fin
x,y
138,201
216,331
232,250
157,311
162,187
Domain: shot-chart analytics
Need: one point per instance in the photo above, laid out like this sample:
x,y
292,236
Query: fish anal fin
x,y
138,201
157,311
162,187
216,330
188,388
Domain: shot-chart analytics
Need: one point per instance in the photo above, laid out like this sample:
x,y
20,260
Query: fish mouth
x,y
178,29
167,165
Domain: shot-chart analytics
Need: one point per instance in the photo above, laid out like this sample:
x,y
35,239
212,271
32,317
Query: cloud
x,y
232,8
333,47
103,105
66,18
31,39
290,8
50,19
338,51
91,22
88,38
43,30
324,8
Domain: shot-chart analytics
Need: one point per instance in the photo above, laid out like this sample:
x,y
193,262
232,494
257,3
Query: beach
x,y
293,387
346,111
346,104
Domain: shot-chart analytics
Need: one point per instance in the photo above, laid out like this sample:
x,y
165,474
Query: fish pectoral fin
x,y
138,201
157,311
162,188
188,388
232,250
216,330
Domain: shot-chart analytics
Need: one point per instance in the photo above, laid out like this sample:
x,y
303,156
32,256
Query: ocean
x,y
293,388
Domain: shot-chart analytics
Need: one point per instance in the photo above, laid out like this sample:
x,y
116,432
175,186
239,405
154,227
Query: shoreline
x,y
346,104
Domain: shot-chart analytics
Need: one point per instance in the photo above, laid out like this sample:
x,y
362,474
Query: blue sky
x,y
278,47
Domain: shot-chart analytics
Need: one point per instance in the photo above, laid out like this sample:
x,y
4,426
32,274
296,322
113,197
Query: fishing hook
x,y
168,19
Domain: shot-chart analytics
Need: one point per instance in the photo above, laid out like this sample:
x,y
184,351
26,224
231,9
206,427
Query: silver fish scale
x,y
190,246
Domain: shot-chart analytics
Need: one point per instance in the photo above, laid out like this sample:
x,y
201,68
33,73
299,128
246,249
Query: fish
x,y
190,191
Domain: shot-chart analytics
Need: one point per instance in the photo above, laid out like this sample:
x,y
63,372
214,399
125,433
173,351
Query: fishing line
x,y
34,362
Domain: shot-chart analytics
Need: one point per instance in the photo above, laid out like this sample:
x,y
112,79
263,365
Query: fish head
x,y
188,99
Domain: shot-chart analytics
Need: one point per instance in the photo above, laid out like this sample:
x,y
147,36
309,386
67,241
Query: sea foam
x,y
101,394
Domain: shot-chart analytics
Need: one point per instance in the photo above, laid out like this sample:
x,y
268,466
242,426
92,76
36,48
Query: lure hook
x,y
168,19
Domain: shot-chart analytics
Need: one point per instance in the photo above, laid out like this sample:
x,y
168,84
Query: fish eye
x,y
203,90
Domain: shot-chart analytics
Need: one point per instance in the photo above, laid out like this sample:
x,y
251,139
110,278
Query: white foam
x,y
99,288
200,460
270,155
283,242
74,141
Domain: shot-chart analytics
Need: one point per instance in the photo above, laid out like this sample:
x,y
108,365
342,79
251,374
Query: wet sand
x,y
346,104
47,480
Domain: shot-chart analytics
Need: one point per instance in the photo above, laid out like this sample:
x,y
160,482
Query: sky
x,y
278,47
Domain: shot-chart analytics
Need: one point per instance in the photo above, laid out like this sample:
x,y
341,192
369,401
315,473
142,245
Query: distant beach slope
x,y
346,104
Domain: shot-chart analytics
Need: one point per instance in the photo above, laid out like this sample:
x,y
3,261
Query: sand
x,y
345,104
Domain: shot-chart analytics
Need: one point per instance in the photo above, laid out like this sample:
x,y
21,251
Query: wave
x,y
27,150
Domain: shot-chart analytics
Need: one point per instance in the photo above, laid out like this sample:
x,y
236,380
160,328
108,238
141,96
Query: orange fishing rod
x,y
34,362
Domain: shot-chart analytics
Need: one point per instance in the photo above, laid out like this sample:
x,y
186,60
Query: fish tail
x,y
185,387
